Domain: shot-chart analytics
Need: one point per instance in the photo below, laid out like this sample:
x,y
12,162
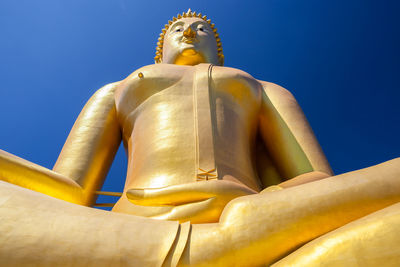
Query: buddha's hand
x,y
198,202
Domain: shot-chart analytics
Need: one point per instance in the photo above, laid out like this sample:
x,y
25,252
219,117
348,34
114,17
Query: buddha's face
x,y
190,41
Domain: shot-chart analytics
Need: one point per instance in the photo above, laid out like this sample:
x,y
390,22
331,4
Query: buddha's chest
x,y
189,123
204,90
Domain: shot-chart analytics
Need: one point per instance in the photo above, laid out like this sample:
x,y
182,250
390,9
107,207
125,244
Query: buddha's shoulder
x,y
229,72
275,90
106,91
159,75
271,89
233,73
159,71
222,74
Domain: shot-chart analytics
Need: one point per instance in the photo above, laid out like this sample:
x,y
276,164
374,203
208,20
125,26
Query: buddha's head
x,y
189,39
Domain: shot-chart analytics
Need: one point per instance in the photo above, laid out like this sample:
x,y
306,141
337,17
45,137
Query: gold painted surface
x,y
192,34
29,175
231,158
84,160
92,143
180,140
370,241
37,230
263,228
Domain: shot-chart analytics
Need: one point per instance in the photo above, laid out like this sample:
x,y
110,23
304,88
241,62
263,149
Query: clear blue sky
x,y
341,60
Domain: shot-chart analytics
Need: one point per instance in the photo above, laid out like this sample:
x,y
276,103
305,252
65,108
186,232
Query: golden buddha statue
x,y
223,170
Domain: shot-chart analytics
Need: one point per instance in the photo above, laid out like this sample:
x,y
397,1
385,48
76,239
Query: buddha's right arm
x,y
84,160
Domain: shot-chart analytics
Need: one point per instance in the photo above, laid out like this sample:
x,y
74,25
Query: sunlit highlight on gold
x,y
223,170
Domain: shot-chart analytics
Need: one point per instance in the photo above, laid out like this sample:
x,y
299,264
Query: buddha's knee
x,y
396,161
393,165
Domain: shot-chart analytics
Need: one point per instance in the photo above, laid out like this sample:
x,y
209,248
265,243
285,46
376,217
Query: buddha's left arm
x,y
84,160
289,138
92,143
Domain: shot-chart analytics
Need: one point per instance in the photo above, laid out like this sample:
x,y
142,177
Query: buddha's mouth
x,y
189,40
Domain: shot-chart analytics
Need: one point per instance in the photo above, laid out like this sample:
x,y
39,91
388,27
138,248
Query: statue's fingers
x,y
271,188
171,195
200,212
186,193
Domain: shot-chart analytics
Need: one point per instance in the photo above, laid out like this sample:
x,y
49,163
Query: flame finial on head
x,y
188,14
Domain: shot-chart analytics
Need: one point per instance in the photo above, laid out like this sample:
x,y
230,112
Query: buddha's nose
x,y
189,33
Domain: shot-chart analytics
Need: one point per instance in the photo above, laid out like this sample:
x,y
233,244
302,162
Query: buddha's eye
x,y
178,29
201,28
